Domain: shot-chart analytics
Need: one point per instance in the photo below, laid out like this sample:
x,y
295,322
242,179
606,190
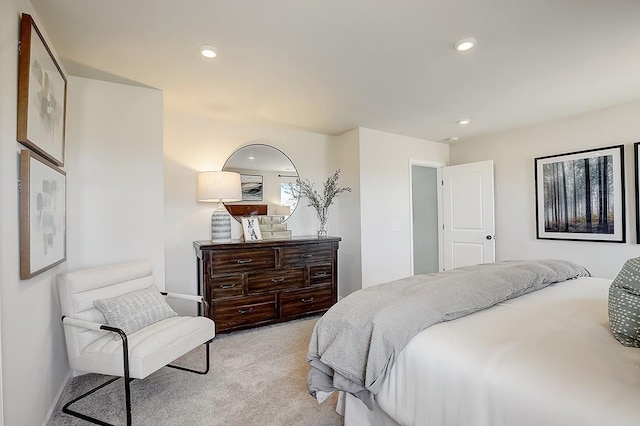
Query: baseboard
x,y
56,401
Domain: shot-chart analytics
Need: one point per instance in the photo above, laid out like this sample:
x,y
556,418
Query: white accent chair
x,y
91,346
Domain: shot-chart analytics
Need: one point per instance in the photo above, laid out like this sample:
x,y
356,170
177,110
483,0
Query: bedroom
x,y
161,199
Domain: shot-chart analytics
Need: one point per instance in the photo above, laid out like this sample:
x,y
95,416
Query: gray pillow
x,y
135,310
624,304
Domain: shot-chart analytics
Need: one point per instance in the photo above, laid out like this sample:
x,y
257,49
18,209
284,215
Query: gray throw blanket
x,y
356,342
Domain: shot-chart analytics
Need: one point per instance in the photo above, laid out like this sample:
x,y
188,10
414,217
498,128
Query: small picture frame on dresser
x,y
251,228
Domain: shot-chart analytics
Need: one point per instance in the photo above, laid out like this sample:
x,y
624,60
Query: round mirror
x,y
266,174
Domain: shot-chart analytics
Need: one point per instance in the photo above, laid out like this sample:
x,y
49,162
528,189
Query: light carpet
x,y
257,377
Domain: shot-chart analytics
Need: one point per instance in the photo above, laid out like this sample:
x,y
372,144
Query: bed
x,y
543,358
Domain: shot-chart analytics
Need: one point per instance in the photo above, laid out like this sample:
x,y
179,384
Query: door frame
x,y
438,166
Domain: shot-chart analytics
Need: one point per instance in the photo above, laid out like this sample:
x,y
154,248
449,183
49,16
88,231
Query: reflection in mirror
x,y
266,173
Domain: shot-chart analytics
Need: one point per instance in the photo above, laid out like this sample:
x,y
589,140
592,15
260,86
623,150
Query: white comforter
x,y
546,358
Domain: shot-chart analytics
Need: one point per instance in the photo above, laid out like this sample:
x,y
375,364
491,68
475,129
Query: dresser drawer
x,y
226,286
302,302
225,261
242,311
278,279
306,255
320,274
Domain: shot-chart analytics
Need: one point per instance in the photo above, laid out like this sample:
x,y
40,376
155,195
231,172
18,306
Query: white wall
x,y
114,211
514,153
34,365
115,182
385,192
195,143
8,234
346,151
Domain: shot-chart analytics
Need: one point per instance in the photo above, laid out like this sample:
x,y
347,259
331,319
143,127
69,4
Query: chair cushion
x,y
624,304
150,348
135,310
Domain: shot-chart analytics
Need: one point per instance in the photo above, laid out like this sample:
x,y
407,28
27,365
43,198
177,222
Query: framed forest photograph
x,y
636,162
580,195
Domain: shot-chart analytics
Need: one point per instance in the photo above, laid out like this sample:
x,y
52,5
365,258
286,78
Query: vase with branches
x,y
319,201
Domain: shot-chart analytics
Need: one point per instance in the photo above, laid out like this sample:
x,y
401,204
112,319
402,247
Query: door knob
x,y
489,237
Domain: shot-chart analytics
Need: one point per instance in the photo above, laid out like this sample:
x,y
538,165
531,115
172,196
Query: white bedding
x,y
546,358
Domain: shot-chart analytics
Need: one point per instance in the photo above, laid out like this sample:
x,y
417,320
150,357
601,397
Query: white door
x,y
468,214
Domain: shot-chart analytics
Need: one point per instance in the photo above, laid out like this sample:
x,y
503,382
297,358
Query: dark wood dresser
x,y
248,284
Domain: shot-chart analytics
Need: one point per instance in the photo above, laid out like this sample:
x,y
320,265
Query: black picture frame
x,y
636,163
580,196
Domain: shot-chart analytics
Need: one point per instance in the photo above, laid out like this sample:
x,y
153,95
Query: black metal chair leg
x,y
127,380
67,410
125,362
177,367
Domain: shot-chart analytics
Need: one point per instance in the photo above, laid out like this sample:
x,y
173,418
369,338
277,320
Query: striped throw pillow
x,y
135,310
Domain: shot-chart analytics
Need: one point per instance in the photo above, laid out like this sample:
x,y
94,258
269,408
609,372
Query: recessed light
x,y
252,158
208,52
464,121
464,44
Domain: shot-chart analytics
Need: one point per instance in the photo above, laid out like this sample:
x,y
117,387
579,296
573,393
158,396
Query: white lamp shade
x,y
215,187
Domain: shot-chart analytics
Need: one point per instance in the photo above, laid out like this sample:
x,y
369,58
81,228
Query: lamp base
x,y
220,225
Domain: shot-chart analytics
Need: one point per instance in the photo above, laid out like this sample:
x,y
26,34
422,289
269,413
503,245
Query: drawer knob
x,y
243,261
227,286
321,274
306,256
309,300
245,311
277,280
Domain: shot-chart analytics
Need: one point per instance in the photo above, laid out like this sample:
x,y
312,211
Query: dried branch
x,y
320,202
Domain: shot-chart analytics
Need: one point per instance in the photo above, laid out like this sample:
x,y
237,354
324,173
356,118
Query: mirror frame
x,y
236,209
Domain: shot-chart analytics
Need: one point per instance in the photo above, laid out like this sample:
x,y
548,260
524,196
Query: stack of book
x,y
272,228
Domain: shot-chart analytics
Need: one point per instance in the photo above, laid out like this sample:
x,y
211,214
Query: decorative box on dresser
x,y
248,284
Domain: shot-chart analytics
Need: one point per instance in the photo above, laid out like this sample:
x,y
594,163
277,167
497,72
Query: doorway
x,y
452,216
425,205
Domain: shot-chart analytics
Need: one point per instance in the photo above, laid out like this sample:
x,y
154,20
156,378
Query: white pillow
x,y
135,310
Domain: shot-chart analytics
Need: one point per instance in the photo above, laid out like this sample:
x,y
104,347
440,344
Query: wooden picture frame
x,y
251,228
252,188
43,240
42,95
580,196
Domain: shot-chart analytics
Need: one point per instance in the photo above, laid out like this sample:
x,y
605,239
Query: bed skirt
x,y
357,414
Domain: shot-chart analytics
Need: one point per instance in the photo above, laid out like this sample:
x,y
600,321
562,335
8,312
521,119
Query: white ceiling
x,y
331,65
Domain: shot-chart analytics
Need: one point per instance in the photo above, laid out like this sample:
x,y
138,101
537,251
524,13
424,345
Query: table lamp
x,y
219,187
283,211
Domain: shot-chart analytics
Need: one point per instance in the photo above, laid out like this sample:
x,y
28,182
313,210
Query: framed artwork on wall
x,y
42,95
43,240
580,195
636,161
251,187
251,228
